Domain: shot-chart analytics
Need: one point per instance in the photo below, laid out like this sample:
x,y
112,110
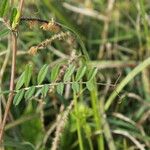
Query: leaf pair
x,y
25,77
22,93
75,86
60,87
29,93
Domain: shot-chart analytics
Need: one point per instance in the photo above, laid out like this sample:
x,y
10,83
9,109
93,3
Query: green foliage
x,y
42,74
117,41
44,90
15,18
30,92
91,73
3,7
13,15
69,72
54,73
27,75
60,88
20,81
4,32
75,87
90,85
18,97
80,73
124,82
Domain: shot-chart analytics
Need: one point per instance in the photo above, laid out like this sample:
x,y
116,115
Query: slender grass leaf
x,y
54,73
13,15
42,74
29,93
20,81
69,72
4,32
80,72
60,88
3,7
126,80
75,87
92,73
44,90
28,74
18,97
90,85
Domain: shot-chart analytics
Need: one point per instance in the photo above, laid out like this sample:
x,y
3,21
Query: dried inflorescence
x,y
33,50
60,36
51,26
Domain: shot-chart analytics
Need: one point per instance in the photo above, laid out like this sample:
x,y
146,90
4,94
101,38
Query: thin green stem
x,y
146,32
95,107
90,143
78,123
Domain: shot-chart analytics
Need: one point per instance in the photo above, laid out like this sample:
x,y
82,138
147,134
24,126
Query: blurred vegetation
x,y
111,112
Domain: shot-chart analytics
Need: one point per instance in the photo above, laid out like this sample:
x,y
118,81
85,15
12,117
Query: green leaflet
x,y
69,72
3,7
44,90
60,88
20,81
54,73
30,92
75,87
13,15
28,74
16,20
42,74
90,85
18,97
80,72
92,73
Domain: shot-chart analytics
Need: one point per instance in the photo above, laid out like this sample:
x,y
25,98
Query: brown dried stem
x,y
10,98
13,68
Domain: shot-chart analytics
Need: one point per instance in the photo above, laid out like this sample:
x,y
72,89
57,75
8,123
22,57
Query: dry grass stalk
x,y
61,121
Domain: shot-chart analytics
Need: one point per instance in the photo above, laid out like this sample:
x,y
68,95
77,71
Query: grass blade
x,y
126,80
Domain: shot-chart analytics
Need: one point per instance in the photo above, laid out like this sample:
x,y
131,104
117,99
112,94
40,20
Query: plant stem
x,y
95,107
13,68
78,123
106,127
10,98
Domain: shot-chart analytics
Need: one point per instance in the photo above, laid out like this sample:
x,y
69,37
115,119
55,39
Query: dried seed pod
x,y
52,26
33,50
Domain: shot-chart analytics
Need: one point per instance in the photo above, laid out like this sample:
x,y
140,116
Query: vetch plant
x,y
60,75
58,86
